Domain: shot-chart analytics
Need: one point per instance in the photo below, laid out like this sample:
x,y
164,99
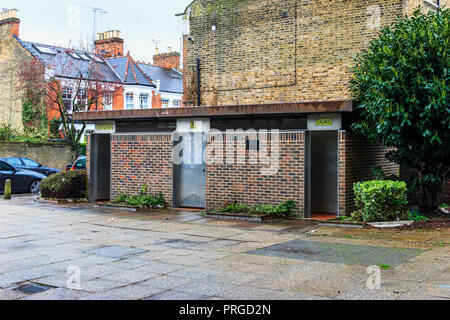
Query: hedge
x,y
65,185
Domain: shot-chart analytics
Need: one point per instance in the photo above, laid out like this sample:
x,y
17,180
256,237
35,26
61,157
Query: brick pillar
x,y
342,195
88,154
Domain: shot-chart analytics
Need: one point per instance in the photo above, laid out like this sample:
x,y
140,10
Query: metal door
x,y
324,172
100,167
190,175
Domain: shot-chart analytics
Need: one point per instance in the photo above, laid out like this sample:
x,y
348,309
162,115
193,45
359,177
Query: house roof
x,y
171,80
130,72
70,63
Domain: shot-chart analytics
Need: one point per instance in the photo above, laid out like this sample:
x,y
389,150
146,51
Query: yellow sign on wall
x,y
324,122
192,125
104,127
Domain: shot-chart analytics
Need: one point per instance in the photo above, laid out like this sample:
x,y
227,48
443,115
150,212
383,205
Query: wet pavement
x,y
51,251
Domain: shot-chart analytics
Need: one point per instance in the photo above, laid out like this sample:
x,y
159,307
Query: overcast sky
x,y
58,22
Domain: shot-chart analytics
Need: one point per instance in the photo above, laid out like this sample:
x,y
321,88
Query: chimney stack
x,y
9,24
169,60
109,44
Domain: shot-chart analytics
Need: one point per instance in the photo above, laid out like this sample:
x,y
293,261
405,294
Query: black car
x,y
28,164
21,180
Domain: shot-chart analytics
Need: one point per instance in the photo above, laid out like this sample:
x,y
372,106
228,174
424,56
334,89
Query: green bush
x,y
380,200
143,199
65,185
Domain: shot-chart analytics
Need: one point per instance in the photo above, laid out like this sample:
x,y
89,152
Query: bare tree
x,y
70,85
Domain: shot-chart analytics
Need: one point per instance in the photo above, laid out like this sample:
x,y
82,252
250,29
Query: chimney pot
x,y
9,23
110,42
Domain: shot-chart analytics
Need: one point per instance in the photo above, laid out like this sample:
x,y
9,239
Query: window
x,y
176,103
252,145
67,99
15,162
95,58
165,103
30,163
43,49
4,166
80,164
143,100
81,99
108,101
84,56
129,100
73,55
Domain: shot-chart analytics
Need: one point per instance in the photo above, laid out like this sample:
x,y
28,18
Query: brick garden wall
x,y
138,159
356,158
245,184
51,155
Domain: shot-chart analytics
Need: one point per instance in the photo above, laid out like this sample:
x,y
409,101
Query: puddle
x,y
339,253
32,288
114,251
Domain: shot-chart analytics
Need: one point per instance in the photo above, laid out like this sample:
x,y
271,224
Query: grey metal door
x,y
191,173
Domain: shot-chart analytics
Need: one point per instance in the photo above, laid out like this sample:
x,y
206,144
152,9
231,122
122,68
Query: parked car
x,y
21,180
79,164
28,164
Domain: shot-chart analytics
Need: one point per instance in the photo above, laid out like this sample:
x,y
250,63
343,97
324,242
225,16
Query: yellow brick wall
x,y
279,51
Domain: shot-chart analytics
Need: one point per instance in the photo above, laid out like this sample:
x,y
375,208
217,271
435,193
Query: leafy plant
x,y
385,266
416,216
142,199
264,209
401,84
65,185
380,200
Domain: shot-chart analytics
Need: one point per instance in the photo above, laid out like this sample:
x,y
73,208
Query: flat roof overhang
x,y
218,111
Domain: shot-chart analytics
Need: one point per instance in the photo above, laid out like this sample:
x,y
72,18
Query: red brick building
x,y
248,67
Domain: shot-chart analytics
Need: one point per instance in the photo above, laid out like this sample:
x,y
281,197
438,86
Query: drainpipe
x,y
199,102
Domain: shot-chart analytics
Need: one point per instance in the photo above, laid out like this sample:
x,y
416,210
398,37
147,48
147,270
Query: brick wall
x,y
356,158
88,154
245,184
138,159
273,51
51,155
11,56
167,60
113,46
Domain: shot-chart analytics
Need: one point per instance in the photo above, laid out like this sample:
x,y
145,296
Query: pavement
x,y
68,252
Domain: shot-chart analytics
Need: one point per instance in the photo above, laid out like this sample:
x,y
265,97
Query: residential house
x,y
129,86
280,65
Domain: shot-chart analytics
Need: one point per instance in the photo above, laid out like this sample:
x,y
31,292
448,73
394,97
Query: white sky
x,y
57,22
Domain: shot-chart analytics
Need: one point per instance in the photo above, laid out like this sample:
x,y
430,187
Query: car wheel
x,y
34,187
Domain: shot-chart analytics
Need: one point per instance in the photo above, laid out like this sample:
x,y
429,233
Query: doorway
x,y
100,167
324,174
190,175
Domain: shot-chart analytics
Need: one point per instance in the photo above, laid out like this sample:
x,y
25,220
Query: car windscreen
x,y
30,163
